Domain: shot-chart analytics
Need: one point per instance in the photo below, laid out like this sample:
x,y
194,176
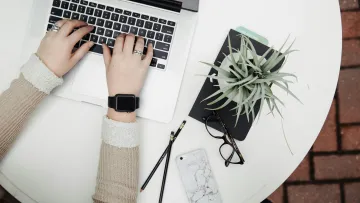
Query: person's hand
x,y
126,70
56,48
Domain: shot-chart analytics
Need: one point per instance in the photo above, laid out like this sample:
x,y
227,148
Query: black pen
x,y
166,167
161,158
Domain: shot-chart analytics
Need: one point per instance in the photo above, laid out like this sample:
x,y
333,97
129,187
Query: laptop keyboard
x,y
110,22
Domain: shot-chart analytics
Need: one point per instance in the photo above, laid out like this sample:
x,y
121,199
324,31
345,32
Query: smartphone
x,y
197,177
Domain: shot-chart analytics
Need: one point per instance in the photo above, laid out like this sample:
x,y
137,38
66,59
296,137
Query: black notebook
x,y
198,111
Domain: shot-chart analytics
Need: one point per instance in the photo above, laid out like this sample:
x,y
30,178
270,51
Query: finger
x,y
149,55
119,44
81,52
69,26
76,36
139,46
107,56
129,44
59,23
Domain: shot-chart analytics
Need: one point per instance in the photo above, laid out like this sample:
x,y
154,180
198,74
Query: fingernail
x,y
91,44
91,27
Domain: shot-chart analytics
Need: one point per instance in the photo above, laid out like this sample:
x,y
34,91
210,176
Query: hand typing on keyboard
x,y
56,48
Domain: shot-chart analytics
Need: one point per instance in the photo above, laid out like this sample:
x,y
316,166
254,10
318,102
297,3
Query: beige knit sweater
x,y
117,177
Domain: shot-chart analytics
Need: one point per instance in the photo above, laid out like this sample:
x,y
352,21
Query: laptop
x,y
166,23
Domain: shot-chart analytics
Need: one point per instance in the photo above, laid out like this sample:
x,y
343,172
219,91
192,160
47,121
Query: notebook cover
x,y
198,110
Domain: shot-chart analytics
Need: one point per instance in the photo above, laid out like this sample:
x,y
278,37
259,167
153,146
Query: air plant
x,y
249,79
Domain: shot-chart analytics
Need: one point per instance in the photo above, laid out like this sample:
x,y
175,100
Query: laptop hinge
x,y
171,5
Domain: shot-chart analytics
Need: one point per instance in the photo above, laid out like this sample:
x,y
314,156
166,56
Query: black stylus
x,y
166,167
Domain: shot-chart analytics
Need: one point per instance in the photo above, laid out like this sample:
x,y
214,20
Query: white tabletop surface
x,y
56,156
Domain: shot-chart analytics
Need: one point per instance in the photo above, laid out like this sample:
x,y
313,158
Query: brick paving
x,y
330,173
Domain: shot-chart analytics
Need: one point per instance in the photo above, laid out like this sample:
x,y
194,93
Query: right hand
x,y
125,70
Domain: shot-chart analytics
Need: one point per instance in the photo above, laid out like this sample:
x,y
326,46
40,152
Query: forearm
x,y
20,100
117,179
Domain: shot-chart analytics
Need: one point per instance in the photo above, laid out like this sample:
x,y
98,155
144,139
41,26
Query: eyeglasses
x,y
229,151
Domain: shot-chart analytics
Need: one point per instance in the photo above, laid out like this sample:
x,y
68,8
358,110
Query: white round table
x,y
56,156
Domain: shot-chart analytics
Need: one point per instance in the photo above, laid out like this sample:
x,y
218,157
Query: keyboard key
x,y
150,41
102,40
116,34
145,50
56,3
161,66
148,25
131,21
67,14
100,31
167,29
153,19
73,7
98,13
100,22
123,19
108,33
115,17
140,23
84,18
117,26
142,32
94,38
167,38
128,13
159,36
101,6
106,15
162,21
157,27
171,23
83,2
145,43
75,16
134,30
117,10
125,28
65,5
76,1
54,19
92,4
153,62
56,12
145,17
81,9
136,15
49,27
89,11
111,42
86,37
162,46
97,49
109,8
150,34
109,24
160,54
92,20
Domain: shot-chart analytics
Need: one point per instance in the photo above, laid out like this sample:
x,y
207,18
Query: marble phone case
x,y
197,177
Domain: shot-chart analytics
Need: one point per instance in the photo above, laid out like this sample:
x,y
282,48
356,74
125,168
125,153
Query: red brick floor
x,y
330,173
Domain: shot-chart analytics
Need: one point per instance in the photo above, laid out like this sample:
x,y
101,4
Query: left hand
x,y
56,48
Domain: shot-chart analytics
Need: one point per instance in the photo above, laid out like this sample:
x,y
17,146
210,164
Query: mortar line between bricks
x,y
350,152
311,165
322,182
350,38
349,124
285,193
342,193
337,120
350,67
350,10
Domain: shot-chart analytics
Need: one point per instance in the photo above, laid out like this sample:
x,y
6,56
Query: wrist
x,y
121,116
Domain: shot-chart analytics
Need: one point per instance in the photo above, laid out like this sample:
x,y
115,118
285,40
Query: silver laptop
x,y
165,23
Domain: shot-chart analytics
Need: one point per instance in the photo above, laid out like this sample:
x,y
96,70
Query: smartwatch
x,y
124,103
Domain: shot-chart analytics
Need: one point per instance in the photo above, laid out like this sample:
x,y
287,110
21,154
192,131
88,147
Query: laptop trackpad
x,y
90,77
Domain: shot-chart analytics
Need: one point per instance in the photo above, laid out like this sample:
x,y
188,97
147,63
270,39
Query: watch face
x,y
125,103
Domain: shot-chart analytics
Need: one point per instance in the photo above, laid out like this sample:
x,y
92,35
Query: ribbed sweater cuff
x,y
121,135
40,76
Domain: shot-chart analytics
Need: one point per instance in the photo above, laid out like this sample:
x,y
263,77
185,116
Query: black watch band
x,y
124,102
